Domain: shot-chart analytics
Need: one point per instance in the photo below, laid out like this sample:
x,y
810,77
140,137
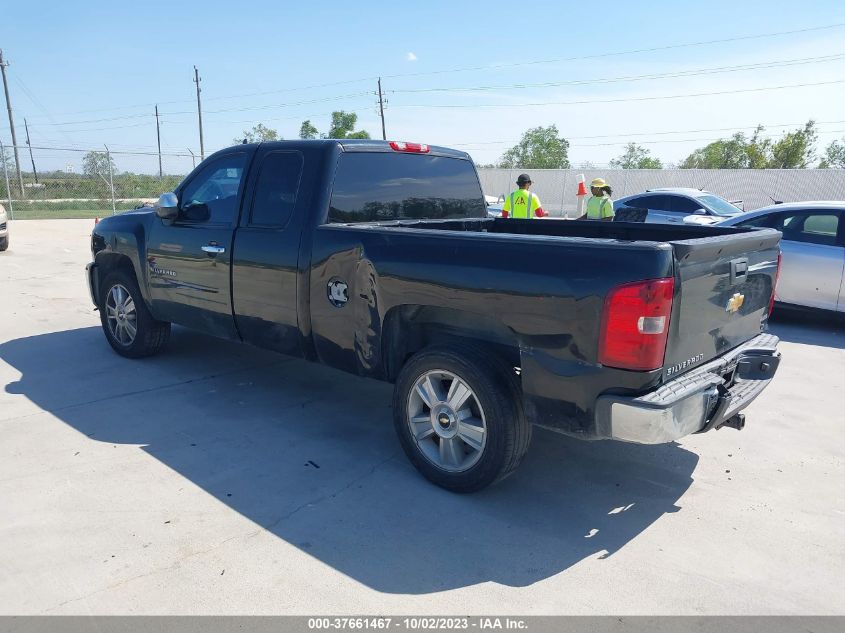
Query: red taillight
x,y
775,285
413,148
635,324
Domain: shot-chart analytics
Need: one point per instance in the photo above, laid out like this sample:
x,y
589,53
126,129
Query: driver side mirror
x,y
167,207
700,212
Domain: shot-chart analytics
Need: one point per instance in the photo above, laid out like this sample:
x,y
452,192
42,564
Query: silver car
x,y
813,251
4,229
672,205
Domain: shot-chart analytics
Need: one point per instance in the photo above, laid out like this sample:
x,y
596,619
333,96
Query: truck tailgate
x,y
725,287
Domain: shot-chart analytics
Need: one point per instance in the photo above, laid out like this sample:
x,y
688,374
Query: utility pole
x,y
158,138
199,110
3,65
31,159
193,157
381,110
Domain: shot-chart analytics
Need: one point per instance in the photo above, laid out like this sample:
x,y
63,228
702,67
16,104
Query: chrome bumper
x,y
705,398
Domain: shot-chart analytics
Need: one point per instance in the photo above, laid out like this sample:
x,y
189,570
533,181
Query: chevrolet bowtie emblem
x,y
735,303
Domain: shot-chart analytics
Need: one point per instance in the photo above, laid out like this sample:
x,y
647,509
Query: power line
x,y
616,53
223,97
676,140
88,149
670,75
618,100
734,128
477,68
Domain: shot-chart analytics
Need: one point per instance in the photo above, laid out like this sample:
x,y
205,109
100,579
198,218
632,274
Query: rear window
x,y
719,205
388,186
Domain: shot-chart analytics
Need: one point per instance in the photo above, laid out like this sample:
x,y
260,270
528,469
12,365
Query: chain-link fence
x,y
85,183
81,183
755,188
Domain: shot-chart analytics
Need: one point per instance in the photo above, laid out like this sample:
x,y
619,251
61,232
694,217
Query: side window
x,y
212,195
276,189
812,228
767,221
656,203
641,202
686,206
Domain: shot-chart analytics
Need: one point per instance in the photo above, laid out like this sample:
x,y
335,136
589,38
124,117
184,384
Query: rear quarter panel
x,y
548,292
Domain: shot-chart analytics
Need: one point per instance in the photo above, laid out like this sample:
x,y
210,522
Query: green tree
x,y
343,124
308,131
834,155
540,148
796,150
97,164
258,134
636,157
729,153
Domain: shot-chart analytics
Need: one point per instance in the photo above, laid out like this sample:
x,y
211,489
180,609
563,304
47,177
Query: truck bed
x,y
541,284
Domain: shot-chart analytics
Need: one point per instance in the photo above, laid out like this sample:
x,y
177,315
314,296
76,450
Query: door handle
x,y
213,249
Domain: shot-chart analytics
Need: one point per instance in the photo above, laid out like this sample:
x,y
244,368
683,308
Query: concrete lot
x,y
217,478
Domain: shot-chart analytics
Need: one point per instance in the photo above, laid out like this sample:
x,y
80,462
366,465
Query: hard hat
x,y
598,182
523,179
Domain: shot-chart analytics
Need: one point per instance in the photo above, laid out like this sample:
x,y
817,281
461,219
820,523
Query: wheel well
x,y
410,328
108,262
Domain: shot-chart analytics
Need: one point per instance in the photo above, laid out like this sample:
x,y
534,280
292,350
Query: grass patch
x,y
71,209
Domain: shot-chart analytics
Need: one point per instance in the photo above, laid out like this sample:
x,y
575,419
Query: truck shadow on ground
x,y
826,330
309,454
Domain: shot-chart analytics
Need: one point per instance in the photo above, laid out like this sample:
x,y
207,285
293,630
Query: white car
x,y
4,229
670,205
812,271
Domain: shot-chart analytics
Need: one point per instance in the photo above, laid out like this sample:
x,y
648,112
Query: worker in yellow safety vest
x,y
522,203
599,205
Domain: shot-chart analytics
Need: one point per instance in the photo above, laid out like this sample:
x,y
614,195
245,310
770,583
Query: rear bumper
x,y
93,277
700,400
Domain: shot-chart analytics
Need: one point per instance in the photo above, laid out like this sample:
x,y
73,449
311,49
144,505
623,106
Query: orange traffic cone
x,y
581,196
582,187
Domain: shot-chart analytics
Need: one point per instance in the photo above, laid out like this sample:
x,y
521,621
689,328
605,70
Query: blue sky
x,y
88,74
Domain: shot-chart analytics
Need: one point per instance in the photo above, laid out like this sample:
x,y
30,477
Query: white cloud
x,y
411,57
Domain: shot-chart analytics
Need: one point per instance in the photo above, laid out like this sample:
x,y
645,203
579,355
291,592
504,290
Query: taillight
x,y
775,285
413,148
635,324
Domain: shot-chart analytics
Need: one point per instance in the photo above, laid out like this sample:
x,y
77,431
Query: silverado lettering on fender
x,y
379,259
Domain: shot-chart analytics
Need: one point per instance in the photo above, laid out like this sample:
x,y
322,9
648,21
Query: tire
x,y
120,287
4,243
468,447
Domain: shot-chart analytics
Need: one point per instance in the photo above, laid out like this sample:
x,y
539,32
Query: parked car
x,y
495,205
379,259
813,250
4,228
675,204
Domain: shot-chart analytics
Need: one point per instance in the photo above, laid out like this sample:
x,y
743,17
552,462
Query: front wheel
x,y
459,418
129,327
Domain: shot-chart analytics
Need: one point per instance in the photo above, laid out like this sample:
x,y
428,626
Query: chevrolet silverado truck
x,y
379,259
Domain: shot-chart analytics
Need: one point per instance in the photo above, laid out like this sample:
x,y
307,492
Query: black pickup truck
x,y
379,259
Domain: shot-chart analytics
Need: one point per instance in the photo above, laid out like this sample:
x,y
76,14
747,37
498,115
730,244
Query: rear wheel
x,y
129,327
458,415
